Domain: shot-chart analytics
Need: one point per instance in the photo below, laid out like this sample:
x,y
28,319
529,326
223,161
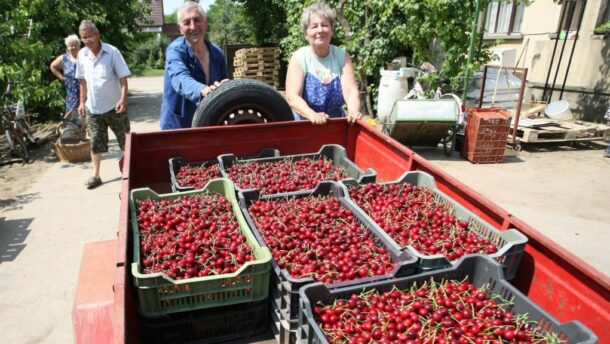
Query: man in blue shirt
x,y
193,68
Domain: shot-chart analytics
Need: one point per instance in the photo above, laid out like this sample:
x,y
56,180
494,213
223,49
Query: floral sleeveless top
x,y
72,90
322,86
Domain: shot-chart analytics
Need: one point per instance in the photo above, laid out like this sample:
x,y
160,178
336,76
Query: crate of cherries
x,y
469,302
292,173
194,250
186,176
317,236
432,226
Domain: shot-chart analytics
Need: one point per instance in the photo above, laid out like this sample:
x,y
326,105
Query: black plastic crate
x,y
212,325
284,289
510,243
280,329
476,269
336,153
176,163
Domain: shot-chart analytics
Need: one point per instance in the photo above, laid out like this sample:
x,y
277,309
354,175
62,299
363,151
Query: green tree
x,y
376,31
171,18
32,33
267,19
228,23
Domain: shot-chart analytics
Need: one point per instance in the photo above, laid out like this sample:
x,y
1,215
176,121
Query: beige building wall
x,y
590,67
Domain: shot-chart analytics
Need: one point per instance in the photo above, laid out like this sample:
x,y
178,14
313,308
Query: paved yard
x,y
46,216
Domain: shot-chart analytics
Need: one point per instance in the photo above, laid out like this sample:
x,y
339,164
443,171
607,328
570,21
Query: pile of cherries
x,y
434,312
286,175
412,216
316,237
191,236
197,176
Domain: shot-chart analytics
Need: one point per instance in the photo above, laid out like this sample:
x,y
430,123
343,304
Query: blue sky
x,y
169,6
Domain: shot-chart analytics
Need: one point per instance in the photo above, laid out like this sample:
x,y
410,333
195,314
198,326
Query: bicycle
x,y
16,126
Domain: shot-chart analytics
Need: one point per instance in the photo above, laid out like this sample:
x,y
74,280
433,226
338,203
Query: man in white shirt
x,y
102,74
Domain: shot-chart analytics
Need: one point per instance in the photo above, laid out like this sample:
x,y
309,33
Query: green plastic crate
x,y
158,294
511,243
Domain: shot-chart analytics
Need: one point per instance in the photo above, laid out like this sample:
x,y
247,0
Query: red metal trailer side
x,y
567,287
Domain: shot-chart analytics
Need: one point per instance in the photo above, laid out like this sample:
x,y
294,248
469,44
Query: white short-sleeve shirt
x,y
102,74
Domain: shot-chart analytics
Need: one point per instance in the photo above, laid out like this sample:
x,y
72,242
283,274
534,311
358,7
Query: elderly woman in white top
x,y
321,78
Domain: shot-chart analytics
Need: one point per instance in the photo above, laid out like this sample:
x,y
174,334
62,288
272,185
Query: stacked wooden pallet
x,y
544,130
258,63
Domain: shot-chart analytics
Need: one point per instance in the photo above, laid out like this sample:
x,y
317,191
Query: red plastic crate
x,y
486,135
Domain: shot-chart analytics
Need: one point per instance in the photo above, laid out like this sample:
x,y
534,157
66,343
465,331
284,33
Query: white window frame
x,y
575,6
504,18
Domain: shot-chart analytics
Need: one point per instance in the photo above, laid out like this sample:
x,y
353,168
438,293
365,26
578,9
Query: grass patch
x,y
144,71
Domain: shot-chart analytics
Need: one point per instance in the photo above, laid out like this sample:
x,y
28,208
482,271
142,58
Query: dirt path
x,y
46,217
17,177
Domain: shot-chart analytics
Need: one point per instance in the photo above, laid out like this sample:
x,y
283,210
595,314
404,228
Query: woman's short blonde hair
x,y
72,39
322,10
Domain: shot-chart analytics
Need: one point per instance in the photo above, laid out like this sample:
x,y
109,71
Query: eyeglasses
x,y
86,39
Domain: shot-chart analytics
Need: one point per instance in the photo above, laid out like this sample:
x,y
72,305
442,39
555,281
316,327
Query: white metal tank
x,y
393,86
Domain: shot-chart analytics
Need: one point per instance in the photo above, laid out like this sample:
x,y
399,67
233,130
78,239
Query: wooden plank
x,y
531,109
273,81
254,60
558,131
257,68
258,64
249,73
258,49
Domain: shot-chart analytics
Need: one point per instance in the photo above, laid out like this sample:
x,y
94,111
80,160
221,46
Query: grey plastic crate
x,y
283,288
336,153
177,162
476,269
281,329
511,243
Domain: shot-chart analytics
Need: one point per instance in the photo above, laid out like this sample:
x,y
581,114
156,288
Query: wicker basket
x,y
76,152
79,151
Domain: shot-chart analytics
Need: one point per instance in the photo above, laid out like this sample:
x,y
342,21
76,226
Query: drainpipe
x,y
548,74
563,47
473,39
582,14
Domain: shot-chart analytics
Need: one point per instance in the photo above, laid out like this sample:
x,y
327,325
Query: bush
x,y
148,53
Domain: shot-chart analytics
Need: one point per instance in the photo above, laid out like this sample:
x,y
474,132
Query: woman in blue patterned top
x,y
64,68
321,78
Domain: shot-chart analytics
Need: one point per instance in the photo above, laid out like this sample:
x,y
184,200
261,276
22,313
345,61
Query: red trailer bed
x,y
564,285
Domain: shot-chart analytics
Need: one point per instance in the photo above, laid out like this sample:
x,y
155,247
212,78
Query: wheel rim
x,y
245,114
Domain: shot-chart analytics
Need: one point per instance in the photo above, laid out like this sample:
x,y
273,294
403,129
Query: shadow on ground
x,y
564,146
12,238
144,107
17,202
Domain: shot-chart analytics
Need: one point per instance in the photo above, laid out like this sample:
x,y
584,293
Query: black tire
x,y
18,147
242,101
